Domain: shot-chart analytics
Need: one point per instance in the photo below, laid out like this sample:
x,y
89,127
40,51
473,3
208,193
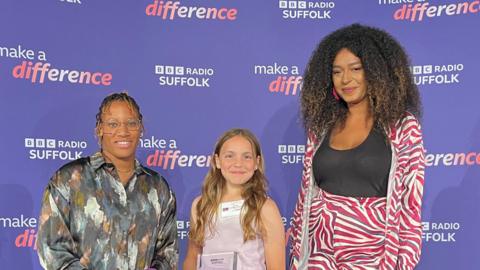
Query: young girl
x,y
233,219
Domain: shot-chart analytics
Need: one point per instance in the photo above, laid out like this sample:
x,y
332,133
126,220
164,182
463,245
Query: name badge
x,y
231,209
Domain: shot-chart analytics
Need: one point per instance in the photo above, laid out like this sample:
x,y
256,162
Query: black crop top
x,y
358,172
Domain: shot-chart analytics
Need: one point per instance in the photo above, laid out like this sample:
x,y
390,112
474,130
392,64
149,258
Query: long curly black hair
x,y
390,87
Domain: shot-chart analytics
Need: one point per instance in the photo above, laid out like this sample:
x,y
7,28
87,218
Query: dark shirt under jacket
x,y
358,172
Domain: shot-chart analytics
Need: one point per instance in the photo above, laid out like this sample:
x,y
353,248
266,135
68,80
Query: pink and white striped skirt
x,y
346,232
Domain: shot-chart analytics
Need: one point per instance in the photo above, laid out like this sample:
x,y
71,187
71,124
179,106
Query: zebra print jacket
x,y
404,200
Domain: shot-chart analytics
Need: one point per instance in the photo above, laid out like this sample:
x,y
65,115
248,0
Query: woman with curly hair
x,y
234,225
359,205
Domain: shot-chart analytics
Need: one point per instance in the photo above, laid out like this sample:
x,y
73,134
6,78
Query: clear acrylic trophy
x,y
217,261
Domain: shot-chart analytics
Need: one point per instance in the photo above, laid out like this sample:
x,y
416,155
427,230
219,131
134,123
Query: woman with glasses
x,y
107,211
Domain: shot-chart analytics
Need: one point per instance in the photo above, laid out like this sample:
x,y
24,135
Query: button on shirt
x,y
89,220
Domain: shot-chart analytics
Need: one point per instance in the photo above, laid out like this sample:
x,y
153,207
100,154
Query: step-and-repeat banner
x,y
198,68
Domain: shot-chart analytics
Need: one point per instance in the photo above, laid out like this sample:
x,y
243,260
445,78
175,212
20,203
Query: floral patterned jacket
x,y
89,220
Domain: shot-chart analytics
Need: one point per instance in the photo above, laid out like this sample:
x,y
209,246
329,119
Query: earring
x,y
335,95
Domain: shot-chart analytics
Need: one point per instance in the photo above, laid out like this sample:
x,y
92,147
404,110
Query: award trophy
x,y
217,261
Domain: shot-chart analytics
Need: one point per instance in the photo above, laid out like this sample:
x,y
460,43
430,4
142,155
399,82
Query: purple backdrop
x,y
198,68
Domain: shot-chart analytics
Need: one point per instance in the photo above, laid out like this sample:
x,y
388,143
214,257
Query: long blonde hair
x,y
254,193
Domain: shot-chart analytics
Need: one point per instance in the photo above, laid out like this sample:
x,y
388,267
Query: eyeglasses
x,y
112,126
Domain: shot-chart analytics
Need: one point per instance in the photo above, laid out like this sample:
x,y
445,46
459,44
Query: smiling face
x,y
119,131
348,77
237,161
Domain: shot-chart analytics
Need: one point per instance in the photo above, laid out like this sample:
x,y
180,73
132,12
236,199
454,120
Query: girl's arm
x,y
274,238
190,262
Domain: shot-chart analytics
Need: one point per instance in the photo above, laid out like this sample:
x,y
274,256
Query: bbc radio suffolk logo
x,y
184,76
291,153
440,231
437,74
78,2
51,149
183,227
303,9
